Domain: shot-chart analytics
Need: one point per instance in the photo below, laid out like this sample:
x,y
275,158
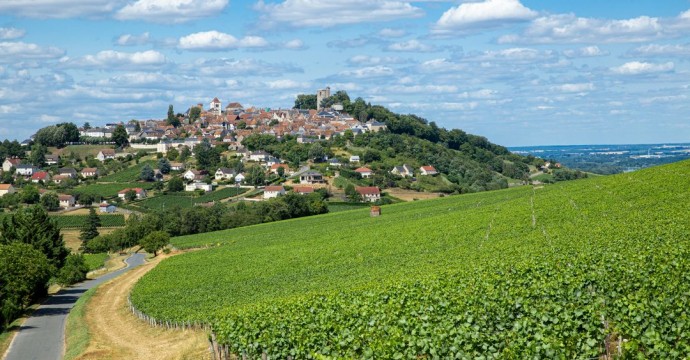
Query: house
x,y
274,168
224,174
25,170
105,154
273,191
428,170
334,162
215,106
239,178
58,179
354,159
52,159
198,185
303,190
176,166
191,175
365,172
66,201
9,163
369,193
89,172
141,193
311,177
403,171
259,156
104,207
375,126
7,189
69,172
40,176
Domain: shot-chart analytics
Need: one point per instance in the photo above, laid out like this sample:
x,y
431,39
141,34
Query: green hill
x,y
571,270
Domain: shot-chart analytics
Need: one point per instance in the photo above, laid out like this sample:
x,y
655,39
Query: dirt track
x,y
117,334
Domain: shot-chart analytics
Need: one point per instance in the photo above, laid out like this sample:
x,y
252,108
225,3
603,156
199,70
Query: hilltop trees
x,y
305,101
91,229
172,118
120,136
194,113
57,135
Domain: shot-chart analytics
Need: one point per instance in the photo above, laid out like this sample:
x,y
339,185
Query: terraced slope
x,y
576,269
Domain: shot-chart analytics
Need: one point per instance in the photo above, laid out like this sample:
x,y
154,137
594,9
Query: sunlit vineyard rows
x,y
572,270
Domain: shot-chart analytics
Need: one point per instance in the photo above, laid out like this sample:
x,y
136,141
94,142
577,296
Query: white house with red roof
x,y
40,176
89,172
365,172
105,154
428,170
369,193
9,163
273,191
141,193
66,201
303,190
7,189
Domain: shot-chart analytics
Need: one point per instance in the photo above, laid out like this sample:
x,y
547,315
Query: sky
x,y
520,72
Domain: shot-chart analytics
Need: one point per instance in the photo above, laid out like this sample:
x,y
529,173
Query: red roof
x,y
136,190
363,169
15,161
428,168
276,166
274,188
368,190
63,197
40,175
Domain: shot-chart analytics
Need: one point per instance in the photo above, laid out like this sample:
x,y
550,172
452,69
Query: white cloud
x,y
568,28
310,13
215,40
14,51
418,89
132,40
283,84
167,11
369,72
487,13
295,44
373,60
587,51
392,33
410,45
668,50
11,33
115,59
232,67
574,88
59,8
638,68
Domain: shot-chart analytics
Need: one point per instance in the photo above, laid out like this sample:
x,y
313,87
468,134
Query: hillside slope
x,y
572,269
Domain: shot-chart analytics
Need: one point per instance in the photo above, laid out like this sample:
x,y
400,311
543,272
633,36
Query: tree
x,y
130,195
50,201
24,275
194,114
206,156
175,184
281,171
155,241
164,165
185,153
38,155
30,195
32,226
120,136
172,154
74,271
172,119
147,173
241,125
86,126
85,199
255,176
91,230
352,193
305,101
317,152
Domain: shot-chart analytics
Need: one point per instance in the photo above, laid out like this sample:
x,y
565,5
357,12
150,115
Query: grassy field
x,y
129,174
570,270
81,150
96,261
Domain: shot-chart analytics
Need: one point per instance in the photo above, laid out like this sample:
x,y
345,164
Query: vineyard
x,y
572,270
188,199
80,221
108,190
126,175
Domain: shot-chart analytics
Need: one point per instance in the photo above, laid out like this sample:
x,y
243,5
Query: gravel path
x,y
41,337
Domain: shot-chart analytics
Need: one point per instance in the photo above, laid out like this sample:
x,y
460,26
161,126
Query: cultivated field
x,y
573,270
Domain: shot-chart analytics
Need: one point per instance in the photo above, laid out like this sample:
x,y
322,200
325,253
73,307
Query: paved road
x,y
41,337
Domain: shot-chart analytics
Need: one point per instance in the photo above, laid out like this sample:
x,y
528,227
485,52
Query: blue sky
x,y
520,72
